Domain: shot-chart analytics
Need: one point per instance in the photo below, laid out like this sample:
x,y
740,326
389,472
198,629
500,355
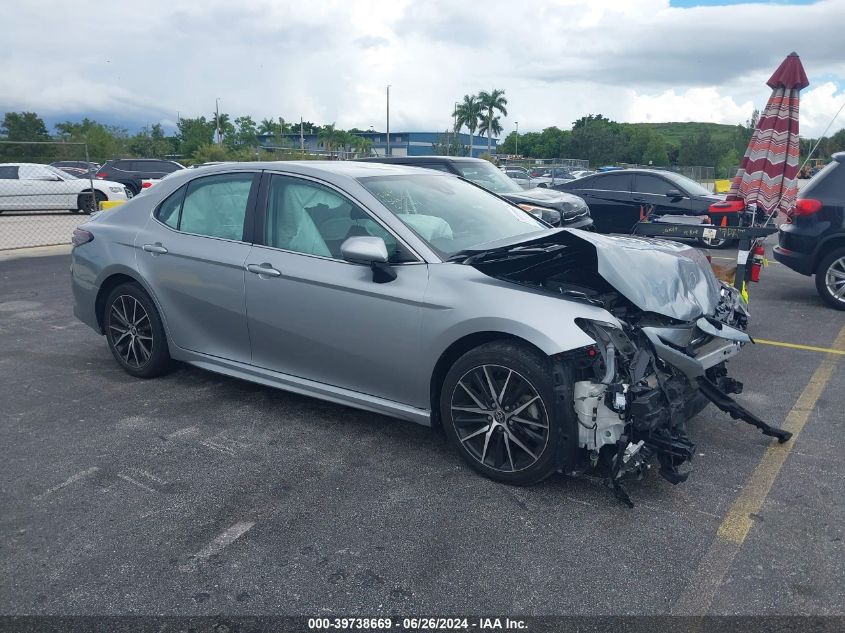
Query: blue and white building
x,y
401,143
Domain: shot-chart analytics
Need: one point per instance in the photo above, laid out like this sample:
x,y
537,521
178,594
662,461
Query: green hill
x,y
674,132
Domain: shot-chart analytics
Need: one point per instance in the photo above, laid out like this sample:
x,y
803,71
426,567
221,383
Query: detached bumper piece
x,y
737,412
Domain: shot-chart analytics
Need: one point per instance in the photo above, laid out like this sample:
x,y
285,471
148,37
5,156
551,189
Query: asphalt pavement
x,y
200,494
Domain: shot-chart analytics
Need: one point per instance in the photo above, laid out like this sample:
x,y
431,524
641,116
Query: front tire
x,y
500,412
135,333
830,279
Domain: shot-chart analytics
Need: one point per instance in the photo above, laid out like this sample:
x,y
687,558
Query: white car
x,y
30,186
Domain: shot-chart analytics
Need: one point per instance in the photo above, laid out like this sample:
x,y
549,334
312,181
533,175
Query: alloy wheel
x,y
130,331
834,279
500,418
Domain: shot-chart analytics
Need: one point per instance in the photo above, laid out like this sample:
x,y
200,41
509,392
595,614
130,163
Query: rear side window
x,y
216,206
123,165
168,211
165,166
828,183
8,172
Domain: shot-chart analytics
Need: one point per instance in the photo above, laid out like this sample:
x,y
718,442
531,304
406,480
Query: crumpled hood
x,y
667,278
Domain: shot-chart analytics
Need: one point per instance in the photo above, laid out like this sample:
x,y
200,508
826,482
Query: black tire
x,y
828,282
137,342
86,205
480,436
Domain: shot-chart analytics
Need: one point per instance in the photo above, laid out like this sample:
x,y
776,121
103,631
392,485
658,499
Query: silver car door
x,y
45,189
10,188
192,253
315,316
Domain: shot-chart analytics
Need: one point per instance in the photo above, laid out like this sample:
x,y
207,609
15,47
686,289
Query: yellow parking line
x,y
738,521
809,348
719,557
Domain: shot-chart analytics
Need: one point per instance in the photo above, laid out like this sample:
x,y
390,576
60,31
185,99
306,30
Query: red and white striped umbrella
x,y
767,174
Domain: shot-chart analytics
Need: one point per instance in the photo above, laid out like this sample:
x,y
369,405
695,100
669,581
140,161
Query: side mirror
x,y
364,249
674,193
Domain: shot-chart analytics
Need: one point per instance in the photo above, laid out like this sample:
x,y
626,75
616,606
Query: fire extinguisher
x,y
758,260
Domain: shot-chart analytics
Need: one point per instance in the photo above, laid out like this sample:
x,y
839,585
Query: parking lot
x,y
200,494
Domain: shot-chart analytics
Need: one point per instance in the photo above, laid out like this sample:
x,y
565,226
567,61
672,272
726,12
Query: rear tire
x,y
830,279
510,431
135,333
86,205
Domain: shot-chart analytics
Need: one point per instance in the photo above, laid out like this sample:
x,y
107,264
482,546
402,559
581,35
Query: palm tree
x,y
267,126
494,126
468,113
492,102
330,136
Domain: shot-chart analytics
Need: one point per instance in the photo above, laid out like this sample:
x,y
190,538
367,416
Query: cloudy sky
x,y
330,60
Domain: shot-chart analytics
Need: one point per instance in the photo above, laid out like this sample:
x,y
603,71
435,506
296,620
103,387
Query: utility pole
x,y
387,150
457,131
217,119
301,137
516,151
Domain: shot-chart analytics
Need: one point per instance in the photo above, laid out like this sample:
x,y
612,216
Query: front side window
x,y
216,206
309,218
653,185
612,182
448,213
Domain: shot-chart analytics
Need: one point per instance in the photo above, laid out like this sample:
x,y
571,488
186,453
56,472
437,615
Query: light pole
x,y
387,149
516,150
457,131
217,118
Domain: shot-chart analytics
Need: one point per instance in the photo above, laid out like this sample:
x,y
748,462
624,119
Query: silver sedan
x,y
421,296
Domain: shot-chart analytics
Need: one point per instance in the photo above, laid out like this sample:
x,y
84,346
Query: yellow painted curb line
x,y
808,348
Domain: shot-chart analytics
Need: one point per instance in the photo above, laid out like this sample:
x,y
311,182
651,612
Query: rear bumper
x,y
799,262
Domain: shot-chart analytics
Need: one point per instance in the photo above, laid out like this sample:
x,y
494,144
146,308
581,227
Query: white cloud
x,y
330,61
818,107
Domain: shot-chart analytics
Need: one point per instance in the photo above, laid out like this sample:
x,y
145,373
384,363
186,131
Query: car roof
x,y
24,164
344,168
400,160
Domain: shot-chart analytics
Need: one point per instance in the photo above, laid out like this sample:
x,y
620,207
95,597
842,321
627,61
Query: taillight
x,y
80,237
101,175
807,206
146,185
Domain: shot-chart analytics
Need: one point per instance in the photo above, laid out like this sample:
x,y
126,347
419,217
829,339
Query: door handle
x,y
263,270
156,249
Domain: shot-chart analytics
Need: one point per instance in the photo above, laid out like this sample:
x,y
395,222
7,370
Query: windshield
x,y
62,174
449,214
486,175
687,184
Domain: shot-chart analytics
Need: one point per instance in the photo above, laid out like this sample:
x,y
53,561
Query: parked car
x,y
520,176
78,168
618,198
420,296
583,173
556,208
132,171
30,186
812,240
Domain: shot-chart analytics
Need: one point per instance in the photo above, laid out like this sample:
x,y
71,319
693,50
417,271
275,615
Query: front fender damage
x,y
665,357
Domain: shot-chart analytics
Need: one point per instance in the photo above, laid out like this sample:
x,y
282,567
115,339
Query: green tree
x,y
655,152
104,141
468,113
23,126
330,137
247,132
267,126
447,144
597,139
728,163
192,133
491,103
151,142
493,126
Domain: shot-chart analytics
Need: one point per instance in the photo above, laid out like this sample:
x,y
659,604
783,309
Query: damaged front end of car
x,y
656,362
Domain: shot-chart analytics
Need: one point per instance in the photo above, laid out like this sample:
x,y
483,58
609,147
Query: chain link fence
x,y
46,190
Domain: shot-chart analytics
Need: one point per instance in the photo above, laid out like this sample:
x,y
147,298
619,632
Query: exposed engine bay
x,y
658,364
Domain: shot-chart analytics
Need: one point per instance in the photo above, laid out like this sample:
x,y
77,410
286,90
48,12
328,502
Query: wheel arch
x,y
826,247
457,349
112,281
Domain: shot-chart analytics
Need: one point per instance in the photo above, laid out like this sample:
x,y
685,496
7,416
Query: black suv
x,y
131,171
555,207
812,240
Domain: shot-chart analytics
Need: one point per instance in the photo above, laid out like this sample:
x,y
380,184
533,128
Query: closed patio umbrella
x,y
766,179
